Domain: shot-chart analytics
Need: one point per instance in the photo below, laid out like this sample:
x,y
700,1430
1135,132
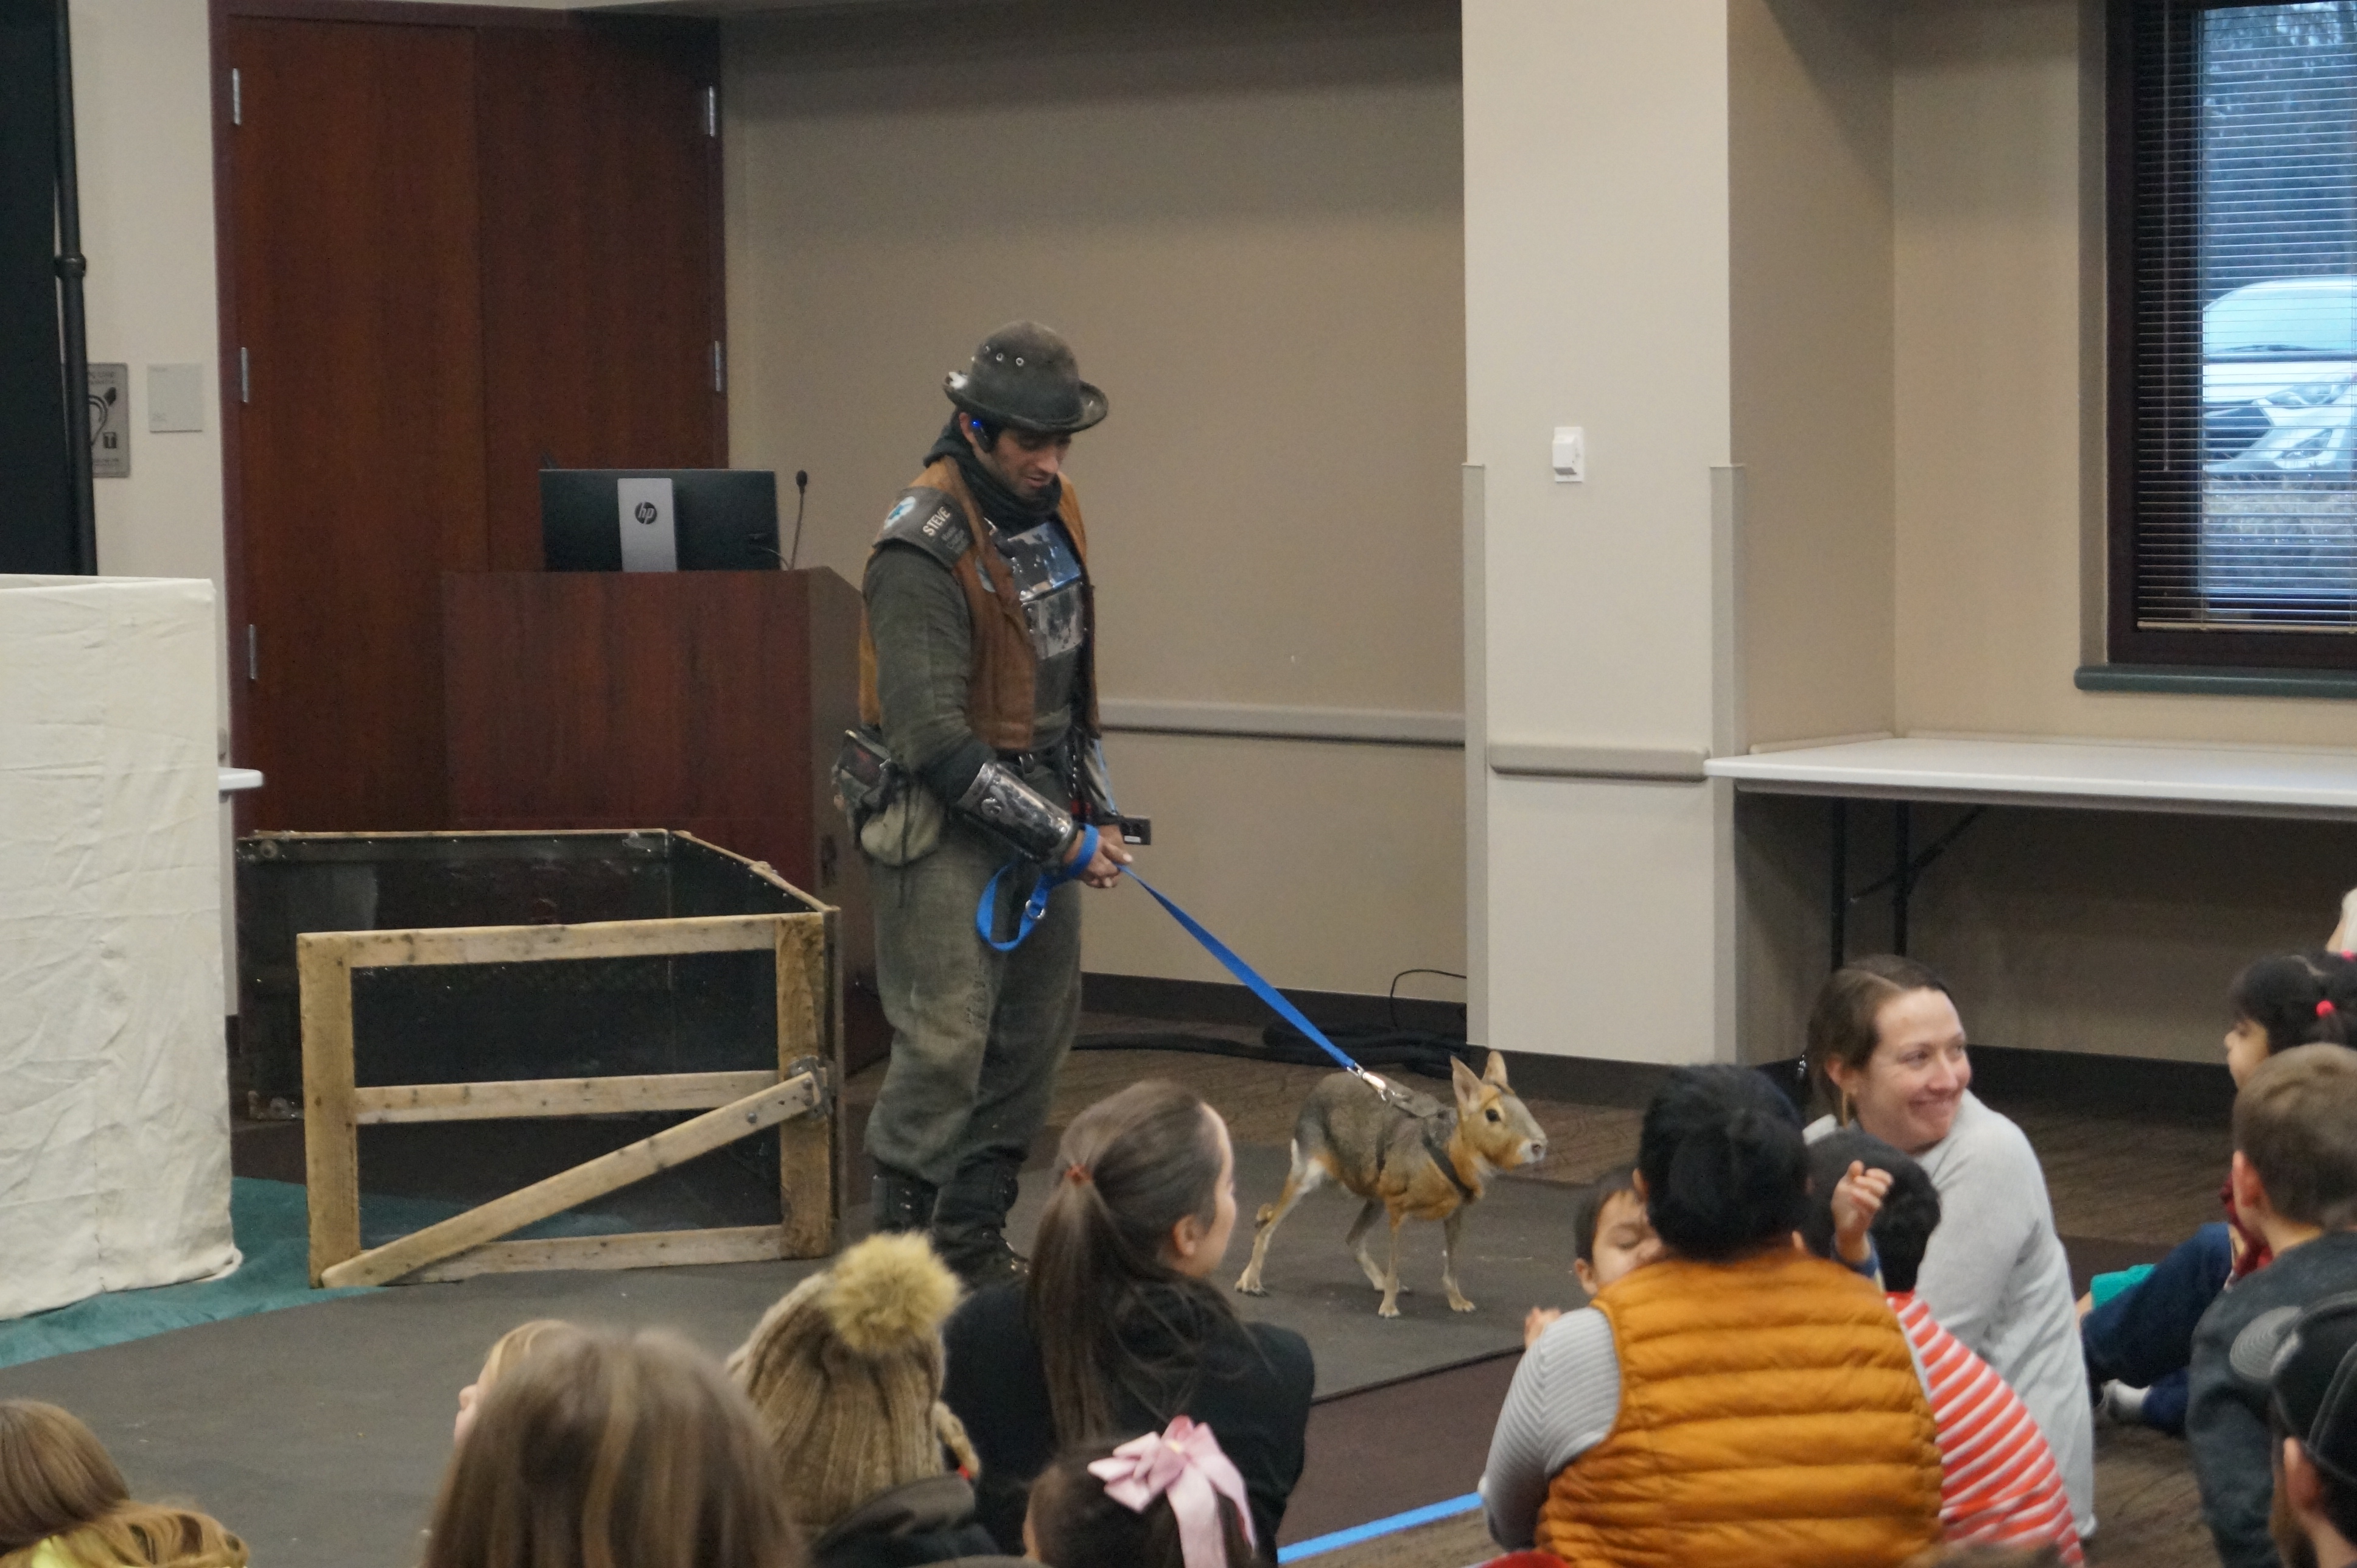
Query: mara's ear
x,y
1496,1072
1461,1078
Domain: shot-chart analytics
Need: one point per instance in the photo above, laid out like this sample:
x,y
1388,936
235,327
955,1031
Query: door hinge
x,y
252,654
236,98
244,375
719,373
712,111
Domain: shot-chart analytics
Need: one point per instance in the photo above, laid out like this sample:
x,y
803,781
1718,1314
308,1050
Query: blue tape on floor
x,y
1358,1532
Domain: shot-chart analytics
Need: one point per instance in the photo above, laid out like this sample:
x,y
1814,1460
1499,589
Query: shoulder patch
x,y
929,520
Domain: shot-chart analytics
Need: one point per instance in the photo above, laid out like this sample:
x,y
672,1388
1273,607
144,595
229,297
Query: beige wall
x,y
143,135
2106,932
1248,225
1597,256
1810,95
1998,476
1809,85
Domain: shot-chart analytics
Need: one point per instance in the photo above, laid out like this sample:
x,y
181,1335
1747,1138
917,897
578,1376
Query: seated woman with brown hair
x,y
1734,1401
594,1451
64,1504
1887,1054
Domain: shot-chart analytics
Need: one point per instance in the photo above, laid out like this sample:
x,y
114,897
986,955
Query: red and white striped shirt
x,y
1998,1484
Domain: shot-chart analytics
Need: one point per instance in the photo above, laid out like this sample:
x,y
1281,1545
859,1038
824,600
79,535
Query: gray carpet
x,y
319,1433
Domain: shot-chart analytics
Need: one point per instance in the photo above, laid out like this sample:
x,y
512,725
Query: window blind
x,y
2242,321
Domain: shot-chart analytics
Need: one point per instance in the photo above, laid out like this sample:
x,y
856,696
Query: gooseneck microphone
x,y
801,499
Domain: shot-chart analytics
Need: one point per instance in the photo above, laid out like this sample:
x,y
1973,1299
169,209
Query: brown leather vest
x,y
1000,693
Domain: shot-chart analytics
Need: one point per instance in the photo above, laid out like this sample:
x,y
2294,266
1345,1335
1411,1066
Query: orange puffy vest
x,y
1000,690
1771,1417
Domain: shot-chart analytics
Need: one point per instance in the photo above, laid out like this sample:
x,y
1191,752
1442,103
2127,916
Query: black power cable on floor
x,y
1420,1051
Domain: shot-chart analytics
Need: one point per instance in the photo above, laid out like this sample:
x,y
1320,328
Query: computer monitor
x,y
658,520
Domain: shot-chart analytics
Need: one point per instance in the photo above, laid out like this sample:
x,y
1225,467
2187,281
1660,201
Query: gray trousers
x,y
977,1035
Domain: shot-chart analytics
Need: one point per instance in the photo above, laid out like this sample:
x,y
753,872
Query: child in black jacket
x,y
2295,1175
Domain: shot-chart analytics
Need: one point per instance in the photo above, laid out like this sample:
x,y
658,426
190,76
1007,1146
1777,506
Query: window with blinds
x,y
2235,326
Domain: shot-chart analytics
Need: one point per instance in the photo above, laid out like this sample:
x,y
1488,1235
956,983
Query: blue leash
x,y
1036,907
1251,977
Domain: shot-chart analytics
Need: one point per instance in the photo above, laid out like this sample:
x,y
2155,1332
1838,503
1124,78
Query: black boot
x,y
969,1226
900,1202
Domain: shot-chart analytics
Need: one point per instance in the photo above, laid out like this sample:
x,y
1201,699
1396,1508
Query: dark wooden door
x,y
359,312
602,264
454,252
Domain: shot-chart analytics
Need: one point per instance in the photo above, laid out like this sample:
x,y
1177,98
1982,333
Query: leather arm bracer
x,y
999,800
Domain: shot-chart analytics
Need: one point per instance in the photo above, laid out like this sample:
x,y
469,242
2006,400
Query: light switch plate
x,y
176,398
110,422
1570,455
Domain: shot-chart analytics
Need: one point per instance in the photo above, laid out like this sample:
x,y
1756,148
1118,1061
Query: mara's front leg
x,y
1390,1307
1448,1229
1356,1240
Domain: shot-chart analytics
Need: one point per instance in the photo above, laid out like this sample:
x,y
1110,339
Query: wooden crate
x,y
791,1089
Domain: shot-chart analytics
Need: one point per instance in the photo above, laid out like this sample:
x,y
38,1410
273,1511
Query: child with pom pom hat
x,y
845,1371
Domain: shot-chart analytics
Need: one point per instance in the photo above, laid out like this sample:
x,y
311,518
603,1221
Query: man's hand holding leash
x,y
1104,869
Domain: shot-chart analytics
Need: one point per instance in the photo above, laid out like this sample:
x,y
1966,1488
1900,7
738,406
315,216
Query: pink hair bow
x,y
1184,1464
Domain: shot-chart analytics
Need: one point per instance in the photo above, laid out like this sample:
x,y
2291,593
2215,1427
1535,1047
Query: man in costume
x,y
979,707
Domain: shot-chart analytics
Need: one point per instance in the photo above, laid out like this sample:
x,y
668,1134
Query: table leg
x,y
1837,922
1902,885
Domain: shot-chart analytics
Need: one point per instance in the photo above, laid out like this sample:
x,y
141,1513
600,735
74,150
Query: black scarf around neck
x,y
1000,504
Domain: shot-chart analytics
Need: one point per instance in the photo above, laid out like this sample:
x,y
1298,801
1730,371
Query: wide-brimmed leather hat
x,y
1024,375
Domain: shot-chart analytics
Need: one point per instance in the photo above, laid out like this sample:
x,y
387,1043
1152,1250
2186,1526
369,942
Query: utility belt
x,y
897,821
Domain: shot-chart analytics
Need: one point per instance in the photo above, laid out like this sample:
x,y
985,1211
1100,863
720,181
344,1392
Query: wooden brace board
x,y
736,1105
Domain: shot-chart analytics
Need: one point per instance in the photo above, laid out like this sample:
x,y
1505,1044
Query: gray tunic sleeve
x,y
924,656
1564,1398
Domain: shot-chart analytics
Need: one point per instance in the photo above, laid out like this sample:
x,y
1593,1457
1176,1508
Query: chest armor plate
x,y
1047,580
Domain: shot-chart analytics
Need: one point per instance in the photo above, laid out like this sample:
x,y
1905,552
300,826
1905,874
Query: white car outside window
x,y
2279,377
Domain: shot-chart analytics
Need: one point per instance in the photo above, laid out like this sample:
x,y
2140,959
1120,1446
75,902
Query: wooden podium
x,y
711,701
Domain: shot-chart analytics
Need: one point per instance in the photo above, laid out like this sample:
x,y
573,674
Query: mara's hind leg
x,y
1306,1176
1391,1284
1448,1229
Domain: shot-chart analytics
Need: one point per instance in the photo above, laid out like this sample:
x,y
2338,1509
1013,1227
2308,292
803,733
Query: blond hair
x,y
57,1479
516,1344
598,1452
846,1370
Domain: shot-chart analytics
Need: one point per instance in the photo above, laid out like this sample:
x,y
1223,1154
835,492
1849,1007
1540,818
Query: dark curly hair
x,y
1726,1170
2285,996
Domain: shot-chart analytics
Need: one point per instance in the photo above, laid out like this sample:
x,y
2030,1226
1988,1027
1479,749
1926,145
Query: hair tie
x,y
1078,1175
2325,1008
1185,1465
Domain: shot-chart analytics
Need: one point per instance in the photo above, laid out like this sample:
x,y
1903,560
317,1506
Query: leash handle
x,y
1035,908
1270,994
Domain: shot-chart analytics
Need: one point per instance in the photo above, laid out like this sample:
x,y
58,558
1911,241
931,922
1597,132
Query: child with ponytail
x,y
1118,1329
1613,1442
2139,1339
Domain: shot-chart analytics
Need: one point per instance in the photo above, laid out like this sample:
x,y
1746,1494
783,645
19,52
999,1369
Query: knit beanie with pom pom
x,y
846,1374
